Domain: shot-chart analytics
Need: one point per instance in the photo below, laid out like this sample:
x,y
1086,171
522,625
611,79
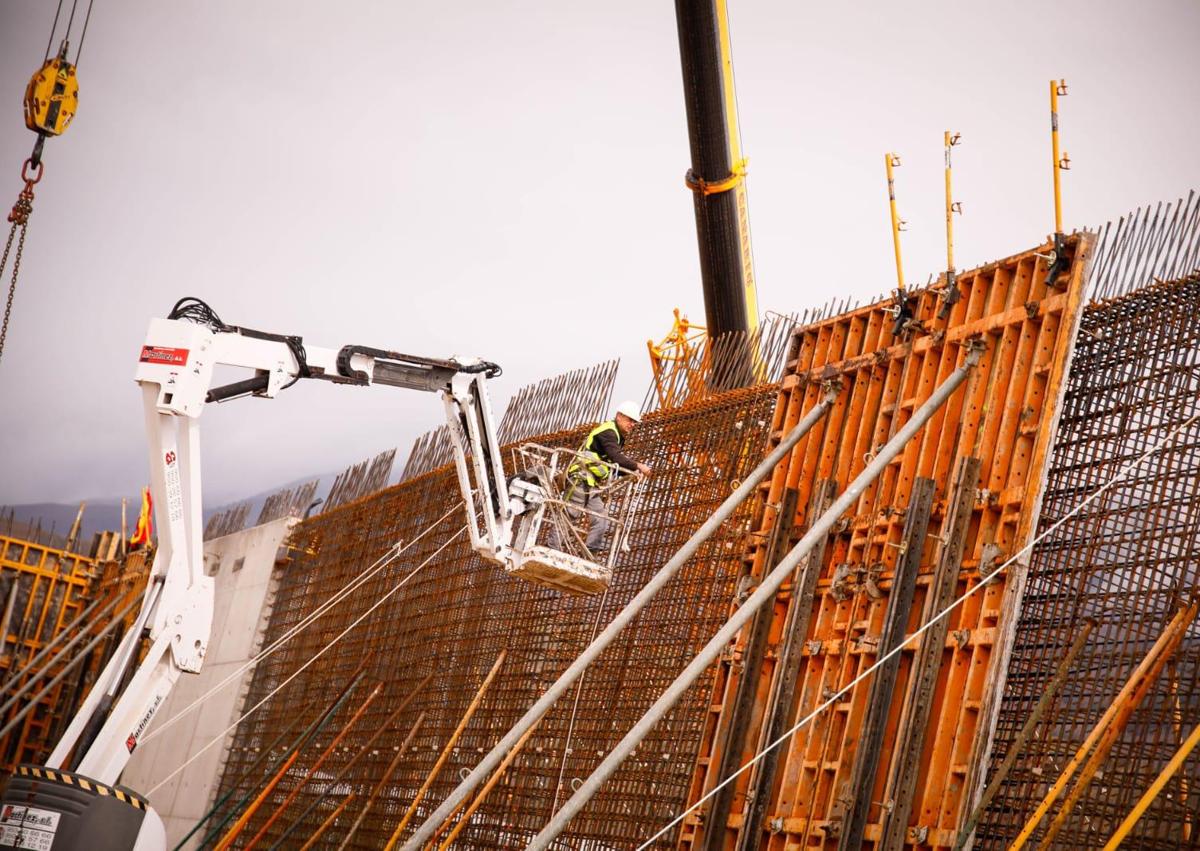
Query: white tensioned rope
x,y
221,736
1120,476
562,769
393,553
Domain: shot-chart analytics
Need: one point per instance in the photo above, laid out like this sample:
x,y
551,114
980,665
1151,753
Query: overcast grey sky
x,y
489,177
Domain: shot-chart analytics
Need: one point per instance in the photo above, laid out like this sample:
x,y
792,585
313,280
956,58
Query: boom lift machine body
x,y
72,802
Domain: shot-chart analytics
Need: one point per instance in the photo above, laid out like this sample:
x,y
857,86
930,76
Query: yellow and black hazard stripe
x,y
84,783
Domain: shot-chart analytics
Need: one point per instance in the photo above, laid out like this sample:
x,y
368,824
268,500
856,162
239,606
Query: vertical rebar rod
x,y
619,622
315,767
763,593
383,779
366,747
1031,723
449,746
1155,789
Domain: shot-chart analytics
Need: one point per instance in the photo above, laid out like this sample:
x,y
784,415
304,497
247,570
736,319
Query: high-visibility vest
x,y
588,465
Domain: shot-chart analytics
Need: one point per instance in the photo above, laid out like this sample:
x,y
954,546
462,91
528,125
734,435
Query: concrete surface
x,y
244,565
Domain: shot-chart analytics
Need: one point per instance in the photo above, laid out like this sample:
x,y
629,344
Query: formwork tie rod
x,y
568,677
762,595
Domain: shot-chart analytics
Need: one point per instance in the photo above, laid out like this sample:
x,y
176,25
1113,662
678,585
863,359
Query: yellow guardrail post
x,y
950,294
891,161
1060,164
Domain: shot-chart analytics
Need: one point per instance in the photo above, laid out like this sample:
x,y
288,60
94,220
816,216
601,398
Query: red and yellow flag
x,y
145,522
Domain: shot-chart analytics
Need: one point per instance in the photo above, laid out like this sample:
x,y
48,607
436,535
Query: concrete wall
x,y
243,565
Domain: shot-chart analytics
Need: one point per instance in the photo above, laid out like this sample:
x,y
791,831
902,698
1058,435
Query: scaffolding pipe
x,y
70,666
1155,789
362,751
30,670
384,778
447,749
316,766
762,594
622,619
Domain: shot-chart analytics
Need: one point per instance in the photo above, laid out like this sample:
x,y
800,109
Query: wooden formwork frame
x,y
1006,420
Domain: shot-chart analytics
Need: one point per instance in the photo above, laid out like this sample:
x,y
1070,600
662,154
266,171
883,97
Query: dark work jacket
x,y
607,444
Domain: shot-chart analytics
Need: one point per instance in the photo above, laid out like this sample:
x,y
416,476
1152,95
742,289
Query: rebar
x,y
1127,561
761,595
227,522
890,356
1158,242
288,502
454,618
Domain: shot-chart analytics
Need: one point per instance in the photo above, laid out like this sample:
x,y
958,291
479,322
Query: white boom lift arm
x,y
176,372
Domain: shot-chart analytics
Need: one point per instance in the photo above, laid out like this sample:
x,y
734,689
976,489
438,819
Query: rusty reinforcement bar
x,y
762,594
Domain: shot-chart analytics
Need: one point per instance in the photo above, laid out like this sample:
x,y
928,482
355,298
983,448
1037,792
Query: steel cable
x,y
983,583
220,736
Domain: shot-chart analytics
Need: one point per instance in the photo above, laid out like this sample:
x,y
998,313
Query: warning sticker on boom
x,y
28,827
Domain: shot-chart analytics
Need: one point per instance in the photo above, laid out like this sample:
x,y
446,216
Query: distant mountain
x,y
50,522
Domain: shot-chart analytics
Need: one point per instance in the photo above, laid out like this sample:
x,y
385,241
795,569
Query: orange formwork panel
x,y
992,438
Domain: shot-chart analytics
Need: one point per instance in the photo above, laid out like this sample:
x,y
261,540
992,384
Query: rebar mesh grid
x,y
1128,560
889,362
452,620
559,403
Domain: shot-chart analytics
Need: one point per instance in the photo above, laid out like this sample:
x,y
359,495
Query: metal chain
x,y
12,289
20,219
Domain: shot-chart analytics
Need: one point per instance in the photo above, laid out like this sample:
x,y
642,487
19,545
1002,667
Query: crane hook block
x,y
52,97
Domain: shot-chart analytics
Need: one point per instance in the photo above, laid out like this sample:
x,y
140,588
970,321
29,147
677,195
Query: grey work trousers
x,y
598,518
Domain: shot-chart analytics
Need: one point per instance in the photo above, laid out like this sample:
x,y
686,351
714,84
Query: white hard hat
x,y
631,410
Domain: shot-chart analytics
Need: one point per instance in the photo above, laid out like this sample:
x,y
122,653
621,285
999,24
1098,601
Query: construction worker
x,y
598,456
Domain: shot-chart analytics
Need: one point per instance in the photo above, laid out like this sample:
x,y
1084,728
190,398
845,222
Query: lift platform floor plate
x,y
562,571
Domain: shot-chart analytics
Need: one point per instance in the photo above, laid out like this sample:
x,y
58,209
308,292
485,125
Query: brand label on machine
x,y
163,354
132,741
28,827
